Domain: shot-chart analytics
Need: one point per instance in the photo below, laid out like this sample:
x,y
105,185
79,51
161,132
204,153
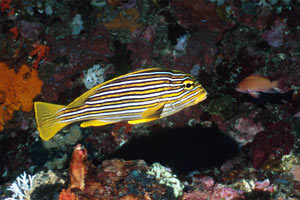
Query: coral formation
x,y
116,179
128,21
296,172
200,14
94,76
77,24
67,195
17,90
164,176
5,6
247,129
276,35
15,31
21,186
30,31
80,53
78,168
47,185
269,147
206,188
224,107
40,51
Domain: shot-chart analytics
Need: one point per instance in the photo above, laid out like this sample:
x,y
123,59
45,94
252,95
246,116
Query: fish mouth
x,y
201,97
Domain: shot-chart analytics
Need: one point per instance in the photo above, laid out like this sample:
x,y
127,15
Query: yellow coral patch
x,y
17,90
129,21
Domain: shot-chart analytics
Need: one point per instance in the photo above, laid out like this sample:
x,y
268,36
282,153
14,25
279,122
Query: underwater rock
x,y
30,30
269,146
127,21
199,14
275,36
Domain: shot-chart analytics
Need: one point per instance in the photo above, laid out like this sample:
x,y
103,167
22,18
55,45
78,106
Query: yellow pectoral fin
x,y
154,112
150,114
139,121
94,123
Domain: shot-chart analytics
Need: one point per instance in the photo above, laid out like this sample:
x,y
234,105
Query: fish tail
x,y
45,115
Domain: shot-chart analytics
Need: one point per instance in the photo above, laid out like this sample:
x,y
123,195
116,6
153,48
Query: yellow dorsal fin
x,y
154,112
45,115
94,123
79,101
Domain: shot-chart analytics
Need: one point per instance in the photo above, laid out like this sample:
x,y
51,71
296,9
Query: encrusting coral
x,y
17,89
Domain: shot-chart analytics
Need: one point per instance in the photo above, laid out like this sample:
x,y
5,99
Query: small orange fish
x,y
254,84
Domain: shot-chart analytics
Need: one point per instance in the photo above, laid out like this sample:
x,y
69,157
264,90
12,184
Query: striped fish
x,y
137,97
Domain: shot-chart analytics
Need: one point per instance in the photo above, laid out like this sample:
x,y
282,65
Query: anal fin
x,y
139,121
94,123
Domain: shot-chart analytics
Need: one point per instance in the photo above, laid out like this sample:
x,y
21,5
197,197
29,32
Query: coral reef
x,y
231,146
116,179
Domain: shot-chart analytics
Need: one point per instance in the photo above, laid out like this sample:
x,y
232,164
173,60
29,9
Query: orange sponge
x,y
17,90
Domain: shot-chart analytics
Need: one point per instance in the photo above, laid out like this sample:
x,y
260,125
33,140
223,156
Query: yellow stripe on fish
x,y
136,97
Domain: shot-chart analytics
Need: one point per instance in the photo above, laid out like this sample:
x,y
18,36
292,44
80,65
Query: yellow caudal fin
x,y
45,116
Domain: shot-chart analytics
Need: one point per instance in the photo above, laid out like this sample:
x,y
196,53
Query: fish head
x,y
245,85
199,92
192,94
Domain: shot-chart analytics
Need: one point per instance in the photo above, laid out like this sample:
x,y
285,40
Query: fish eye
x,y
188,85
